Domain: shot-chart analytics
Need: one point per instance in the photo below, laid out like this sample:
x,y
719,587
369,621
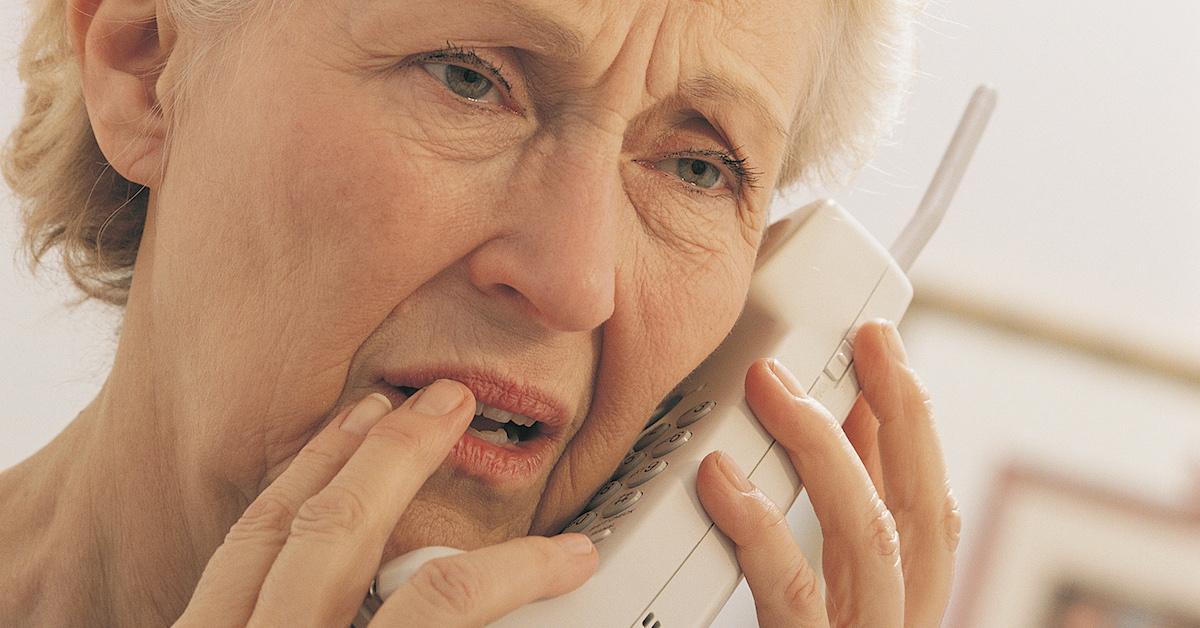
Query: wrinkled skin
x,y
332,208
376,218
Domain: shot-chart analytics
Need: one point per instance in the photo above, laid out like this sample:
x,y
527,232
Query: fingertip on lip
x,y
495,391
380,397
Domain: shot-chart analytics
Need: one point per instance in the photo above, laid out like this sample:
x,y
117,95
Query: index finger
x,y
337,537
229,586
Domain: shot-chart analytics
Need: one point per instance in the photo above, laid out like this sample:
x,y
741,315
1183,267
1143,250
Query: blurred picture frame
x,y
1057,552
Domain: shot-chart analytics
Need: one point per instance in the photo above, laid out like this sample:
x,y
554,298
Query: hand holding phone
x,y
856,480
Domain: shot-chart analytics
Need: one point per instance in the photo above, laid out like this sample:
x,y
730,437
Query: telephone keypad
x,y
630,462
651,435
695,414
582,521
639,466
646,473
604,493
664,408
671,444
622,503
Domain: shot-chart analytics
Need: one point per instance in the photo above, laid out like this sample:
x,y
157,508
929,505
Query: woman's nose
x,y
556,257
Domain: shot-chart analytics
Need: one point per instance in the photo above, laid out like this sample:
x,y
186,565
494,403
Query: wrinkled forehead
x,y
746,61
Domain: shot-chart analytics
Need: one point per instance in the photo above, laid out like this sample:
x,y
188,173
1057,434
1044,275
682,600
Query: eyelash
x,y
453,52
744,176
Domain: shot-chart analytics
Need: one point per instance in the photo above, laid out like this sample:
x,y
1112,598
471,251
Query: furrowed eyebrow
x,y
720,89
540,24
552,35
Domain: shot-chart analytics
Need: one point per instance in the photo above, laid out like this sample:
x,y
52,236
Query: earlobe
x,y
122,55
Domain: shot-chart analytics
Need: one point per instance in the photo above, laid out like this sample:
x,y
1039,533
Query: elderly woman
x,y
335,227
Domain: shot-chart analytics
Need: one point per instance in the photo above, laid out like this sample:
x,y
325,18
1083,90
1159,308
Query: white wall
x,y
1082,207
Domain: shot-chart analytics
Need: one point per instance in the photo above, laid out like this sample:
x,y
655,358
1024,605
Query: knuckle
x,y
323,457
821,436
918,396
803,591
951,522
452,586
884,537
336,511
269,515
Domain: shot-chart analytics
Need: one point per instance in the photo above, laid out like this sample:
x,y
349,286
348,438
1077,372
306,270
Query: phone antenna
x,y
946,179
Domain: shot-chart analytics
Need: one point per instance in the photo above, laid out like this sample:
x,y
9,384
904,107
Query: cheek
x,y
690,301
383,211
302,230
673,310
678,308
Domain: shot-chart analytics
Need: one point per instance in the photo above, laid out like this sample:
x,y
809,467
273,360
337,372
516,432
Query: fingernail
x,y
366,413
575,543
895,346
439,397
785,377
732,473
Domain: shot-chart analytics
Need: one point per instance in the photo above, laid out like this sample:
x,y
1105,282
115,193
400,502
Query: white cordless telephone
x,y
663,564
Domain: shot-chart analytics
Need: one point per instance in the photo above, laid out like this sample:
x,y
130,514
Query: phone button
x,y
622,504
603,494
600,535
664,408
651,435
840,362
695,414
643,475
671,444
630,463
581,522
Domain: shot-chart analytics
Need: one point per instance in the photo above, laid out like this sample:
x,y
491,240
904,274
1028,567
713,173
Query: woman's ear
x,y
123,49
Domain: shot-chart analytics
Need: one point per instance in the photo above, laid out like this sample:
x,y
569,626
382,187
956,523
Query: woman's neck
x,y
95,527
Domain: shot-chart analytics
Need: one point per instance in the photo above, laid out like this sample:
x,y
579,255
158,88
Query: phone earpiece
x,y
780,231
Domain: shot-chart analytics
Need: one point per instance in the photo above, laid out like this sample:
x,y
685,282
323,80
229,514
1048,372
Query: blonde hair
x,y
70,198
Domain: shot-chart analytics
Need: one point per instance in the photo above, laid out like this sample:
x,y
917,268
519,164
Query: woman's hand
x,y
878,487
305,551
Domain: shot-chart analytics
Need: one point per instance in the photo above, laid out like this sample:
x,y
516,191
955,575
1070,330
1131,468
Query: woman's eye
x,y
464,82
698,172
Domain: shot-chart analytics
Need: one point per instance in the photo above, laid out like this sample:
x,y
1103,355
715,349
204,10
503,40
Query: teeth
x,y
495,414
503,416
497,437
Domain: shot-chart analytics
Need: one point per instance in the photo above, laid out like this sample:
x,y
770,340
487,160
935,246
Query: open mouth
x,y
501,448
499,427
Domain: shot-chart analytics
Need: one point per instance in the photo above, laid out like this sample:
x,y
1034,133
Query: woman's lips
x,y
500,467
493,389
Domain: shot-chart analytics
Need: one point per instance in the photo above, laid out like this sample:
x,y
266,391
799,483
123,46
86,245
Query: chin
x,y
427,523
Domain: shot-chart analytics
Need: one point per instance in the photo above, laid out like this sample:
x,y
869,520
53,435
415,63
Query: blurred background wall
x,y
1057,312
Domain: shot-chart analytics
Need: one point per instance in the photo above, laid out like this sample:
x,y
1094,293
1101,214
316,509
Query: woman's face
x,y
542,199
